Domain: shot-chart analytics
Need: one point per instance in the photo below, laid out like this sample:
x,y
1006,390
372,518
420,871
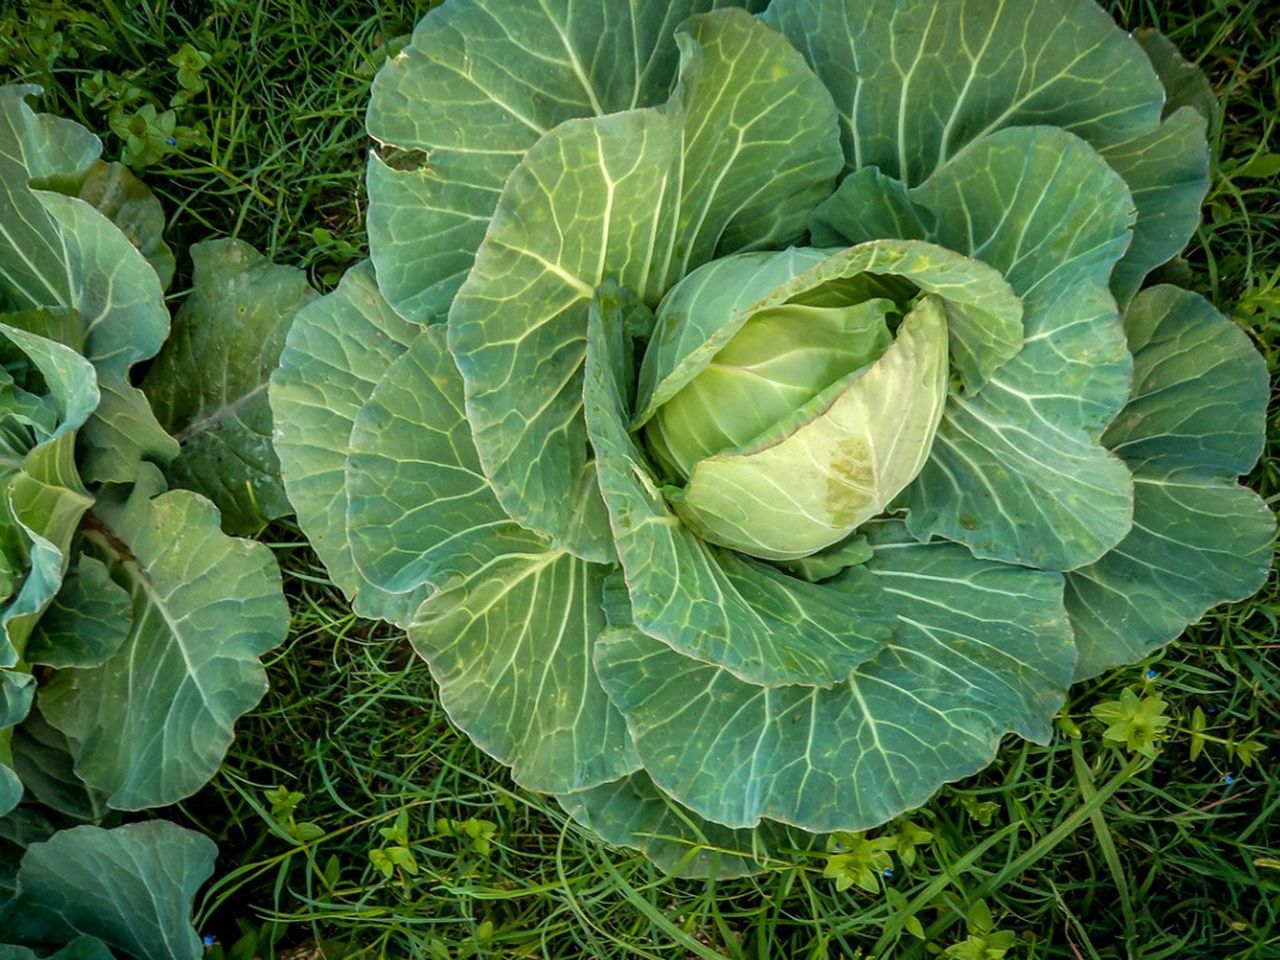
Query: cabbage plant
x,y
755,413
131,625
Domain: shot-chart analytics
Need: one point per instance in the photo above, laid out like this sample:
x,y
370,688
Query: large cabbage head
x,y
754,413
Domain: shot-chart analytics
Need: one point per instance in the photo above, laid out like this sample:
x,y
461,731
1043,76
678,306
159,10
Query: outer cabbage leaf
x,y
42,758
57,152
917,81
81,948
1167,170
1194,422
44,497
127,202
633,812
857,754
337,350
61,253
205,608
41,502
1184,83
17,693
640,196
467,101
907,108
61,155
508,624
131,887
86,621
208,386
511,646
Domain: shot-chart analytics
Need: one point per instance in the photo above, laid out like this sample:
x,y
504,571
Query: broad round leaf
x,y
881,741
205,608
132,887
1194,422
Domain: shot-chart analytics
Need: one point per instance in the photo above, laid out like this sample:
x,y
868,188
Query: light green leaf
x,y
32,263
337,350
205,608
780,360
44,497
67,377
59,153
650,193
883,740
701,313
706,602
47,502
133,887
916,80
632,812
509,639
417,500
862,441
1017,472
208,386
1193,423
458,108
112,287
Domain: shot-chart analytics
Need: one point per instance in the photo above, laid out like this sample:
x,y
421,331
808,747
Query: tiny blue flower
x,y
1212,710
171,142
209,939
1228,779
1151,674
888,872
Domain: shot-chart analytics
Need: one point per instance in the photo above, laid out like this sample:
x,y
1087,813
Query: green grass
x,y
1078,848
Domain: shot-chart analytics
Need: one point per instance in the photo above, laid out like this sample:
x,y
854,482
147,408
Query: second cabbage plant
x,y
755,414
